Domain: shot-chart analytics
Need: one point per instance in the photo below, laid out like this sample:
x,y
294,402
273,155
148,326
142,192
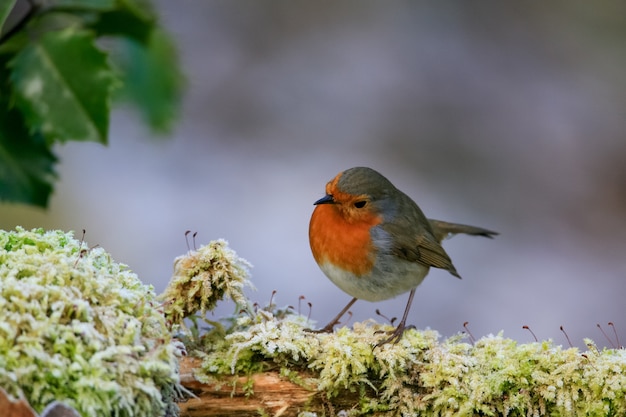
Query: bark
x,y
272,395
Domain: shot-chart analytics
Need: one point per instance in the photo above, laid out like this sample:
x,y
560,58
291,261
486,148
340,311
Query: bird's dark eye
x,y
360,204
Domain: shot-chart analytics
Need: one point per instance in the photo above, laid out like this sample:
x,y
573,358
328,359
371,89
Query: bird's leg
x,y
396,334
329,327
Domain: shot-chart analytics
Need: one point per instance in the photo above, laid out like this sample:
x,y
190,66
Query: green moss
x,y
424,374
202,278
77,327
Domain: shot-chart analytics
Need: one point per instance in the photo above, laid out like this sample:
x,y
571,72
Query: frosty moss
x,y
76,326
422,374
202,278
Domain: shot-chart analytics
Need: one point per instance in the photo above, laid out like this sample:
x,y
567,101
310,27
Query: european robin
x,y
374,242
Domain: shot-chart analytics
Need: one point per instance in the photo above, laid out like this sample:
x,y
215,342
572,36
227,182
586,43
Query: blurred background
x,y
511,118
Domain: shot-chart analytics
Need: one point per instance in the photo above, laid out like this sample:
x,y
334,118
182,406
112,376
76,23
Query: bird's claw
x,y
326,329
395,334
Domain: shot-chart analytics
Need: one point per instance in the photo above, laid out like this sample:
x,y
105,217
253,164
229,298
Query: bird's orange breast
x,y
345,244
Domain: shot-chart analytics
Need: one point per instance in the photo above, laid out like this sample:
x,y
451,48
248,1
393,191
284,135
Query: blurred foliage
x,y
61,63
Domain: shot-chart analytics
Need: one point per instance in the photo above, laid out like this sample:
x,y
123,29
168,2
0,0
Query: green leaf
x,y
36,26
129,19
5,9
26,163
152,79
143,9
123,23
98,5
62,84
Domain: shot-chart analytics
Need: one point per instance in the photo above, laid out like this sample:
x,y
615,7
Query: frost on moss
x,y
423,374
202,278
77,327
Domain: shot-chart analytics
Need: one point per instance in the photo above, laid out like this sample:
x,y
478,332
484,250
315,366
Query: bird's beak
x,y
327,199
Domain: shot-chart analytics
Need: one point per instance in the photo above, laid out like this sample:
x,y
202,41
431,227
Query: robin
x,y
372,241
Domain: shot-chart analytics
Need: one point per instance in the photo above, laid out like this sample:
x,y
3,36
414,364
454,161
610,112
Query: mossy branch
x,y
265,359
81,329
421,374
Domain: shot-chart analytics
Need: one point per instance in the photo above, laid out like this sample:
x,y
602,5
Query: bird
x,y
375,243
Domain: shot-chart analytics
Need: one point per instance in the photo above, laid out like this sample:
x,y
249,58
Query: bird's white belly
x,y
379,284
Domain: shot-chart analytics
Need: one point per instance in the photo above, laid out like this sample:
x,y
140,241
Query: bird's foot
x,y
394,335
326,329
329,327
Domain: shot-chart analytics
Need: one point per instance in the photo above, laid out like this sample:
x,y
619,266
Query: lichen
x,y
423,374
77,327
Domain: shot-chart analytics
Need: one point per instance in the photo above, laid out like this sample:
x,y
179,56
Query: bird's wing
x,y
425,250
419,246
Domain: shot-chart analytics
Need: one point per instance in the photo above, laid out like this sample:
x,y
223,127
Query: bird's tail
x,y
443,230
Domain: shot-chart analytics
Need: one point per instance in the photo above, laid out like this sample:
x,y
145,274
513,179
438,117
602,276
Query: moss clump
x,y
77,327
202,278
423,375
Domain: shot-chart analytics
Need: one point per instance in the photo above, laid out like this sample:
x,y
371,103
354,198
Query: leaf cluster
x,y
62,62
